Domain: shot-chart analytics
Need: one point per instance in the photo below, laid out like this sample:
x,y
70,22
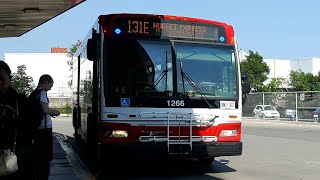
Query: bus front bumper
x,y
199,150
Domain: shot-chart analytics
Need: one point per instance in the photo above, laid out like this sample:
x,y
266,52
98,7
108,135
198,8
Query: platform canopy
x,y
20,16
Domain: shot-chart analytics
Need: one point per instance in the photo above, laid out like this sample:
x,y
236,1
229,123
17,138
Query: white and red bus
x,y
158,85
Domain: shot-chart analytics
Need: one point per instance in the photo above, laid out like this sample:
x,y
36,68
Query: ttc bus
x,y
158,85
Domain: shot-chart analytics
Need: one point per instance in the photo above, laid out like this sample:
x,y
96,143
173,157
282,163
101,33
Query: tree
x,y
301,81
74,48
71,52
256,69
274,85
86,88
21,81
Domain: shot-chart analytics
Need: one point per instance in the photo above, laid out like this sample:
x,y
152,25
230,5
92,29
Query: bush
x,y
67,109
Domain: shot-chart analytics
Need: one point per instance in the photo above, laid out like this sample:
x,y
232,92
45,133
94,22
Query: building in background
x,y
280,68
307,65
59,50
54,64
243,55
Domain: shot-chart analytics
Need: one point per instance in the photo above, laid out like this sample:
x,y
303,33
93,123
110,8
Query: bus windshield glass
x,y
211,68
138,68
144,69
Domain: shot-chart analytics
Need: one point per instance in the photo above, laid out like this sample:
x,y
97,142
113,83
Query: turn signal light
x,y
228,133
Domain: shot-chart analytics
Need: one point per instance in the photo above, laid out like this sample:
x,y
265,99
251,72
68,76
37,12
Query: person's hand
x,y
55,113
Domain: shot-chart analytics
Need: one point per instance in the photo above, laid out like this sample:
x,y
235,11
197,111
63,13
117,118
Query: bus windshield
x,y
211,68
143,69
139,68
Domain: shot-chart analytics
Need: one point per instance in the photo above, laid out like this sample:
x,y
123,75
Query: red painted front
x,y
108,30
134,132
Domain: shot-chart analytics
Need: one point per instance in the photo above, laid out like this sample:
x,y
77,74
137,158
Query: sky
x,y
282,29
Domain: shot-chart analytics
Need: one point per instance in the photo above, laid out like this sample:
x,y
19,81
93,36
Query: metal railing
x,y
294,106
172,140
179,130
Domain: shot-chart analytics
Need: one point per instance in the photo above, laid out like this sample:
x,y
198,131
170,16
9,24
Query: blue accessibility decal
x,y
125,102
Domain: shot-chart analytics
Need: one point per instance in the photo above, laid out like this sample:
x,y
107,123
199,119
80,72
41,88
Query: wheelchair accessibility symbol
x,y
125,102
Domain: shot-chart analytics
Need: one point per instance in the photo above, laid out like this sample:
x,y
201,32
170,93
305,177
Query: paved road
x,y
272,150
63,125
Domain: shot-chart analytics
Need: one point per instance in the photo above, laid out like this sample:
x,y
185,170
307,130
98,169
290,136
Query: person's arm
x,y
45,105
45,109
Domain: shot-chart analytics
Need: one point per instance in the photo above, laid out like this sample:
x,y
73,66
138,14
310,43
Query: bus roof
x,y
107,20
172,17
167,25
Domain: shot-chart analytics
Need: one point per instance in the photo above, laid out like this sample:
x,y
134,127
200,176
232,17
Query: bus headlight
x,y
119,134
228,133
116,133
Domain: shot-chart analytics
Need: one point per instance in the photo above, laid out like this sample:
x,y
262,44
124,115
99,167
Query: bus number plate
x,y
175,103
227,105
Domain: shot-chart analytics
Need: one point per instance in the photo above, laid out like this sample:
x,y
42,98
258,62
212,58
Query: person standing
x,y
15,133
43,143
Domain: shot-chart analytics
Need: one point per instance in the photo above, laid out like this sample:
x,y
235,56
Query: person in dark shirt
x,y
43,142
15,133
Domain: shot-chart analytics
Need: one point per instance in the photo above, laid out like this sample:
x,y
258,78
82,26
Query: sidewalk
x,y
259,121
65,115
66,164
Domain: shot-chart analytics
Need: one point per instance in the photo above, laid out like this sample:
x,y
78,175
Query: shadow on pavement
x,y
152,168
60,165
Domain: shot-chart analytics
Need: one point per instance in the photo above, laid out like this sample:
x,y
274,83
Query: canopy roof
x,y
20,16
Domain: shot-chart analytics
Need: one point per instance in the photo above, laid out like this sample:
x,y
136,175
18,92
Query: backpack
x,y
35,112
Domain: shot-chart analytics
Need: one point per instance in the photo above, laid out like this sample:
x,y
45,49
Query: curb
x,y
80,170
259,121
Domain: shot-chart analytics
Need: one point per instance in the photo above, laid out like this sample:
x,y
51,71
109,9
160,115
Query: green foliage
x,y
74,48
274,85
21,81
71,52
256,69
301,81
66,109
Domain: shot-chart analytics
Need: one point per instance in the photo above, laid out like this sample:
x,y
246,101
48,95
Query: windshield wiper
x,y
162,74
186,76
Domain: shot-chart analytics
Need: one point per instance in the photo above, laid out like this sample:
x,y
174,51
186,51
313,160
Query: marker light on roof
x,y
117,31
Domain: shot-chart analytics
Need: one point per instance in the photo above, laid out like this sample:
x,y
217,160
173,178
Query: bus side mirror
x,y
92,49
245,86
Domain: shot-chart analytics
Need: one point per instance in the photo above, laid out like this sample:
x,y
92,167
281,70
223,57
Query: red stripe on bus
x,y
135,131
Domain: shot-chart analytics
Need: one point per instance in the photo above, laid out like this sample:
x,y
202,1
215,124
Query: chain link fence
x,y
60,101
294,106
